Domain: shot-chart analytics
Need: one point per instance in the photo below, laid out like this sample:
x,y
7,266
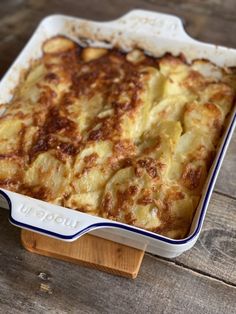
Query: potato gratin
x,y
124,136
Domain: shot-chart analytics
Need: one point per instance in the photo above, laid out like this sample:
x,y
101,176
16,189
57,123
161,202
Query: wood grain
x,y
31,283
89,251
215,251
8,7
226,182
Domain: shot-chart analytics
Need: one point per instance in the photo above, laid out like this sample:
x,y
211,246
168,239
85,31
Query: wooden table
x,y
202,280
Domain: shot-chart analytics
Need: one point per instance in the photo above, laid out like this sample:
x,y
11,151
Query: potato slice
x,y
206,118
90,53
175,209
92,167
50,173
86,202
160,142
58,45
135,56
10,169
129,198
10,135
169,64
209,70
135,122
169,108
84,109
219,94
191,160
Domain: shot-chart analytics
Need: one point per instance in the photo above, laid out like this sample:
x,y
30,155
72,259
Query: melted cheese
x,y
124,136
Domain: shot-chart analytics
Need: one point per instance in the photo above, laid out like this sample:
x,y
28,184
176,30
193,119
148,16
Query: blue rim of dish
x,y
127,227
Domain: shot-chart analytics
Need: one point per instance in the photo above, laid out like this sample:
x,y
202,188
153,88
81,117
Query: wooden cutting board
x,y
89,251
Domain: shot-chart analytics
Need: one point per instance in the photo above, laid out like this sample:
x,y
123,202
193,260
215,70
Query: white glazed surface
x,y
156,34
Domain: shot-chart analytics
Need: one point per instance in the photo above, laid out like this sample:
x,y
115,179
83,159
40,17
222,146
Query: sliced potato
x,y
191,161
135,56
175,209
90,53
10,135
220,95
58,45
83,110
169,108
209,70
135,122
86,202
170,64
10,169
92,167
194,144
128,198
160,142
206,118
48,172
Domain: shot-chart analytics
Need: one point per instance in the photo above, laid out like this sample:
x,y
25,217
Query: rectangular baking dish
x,y
156,34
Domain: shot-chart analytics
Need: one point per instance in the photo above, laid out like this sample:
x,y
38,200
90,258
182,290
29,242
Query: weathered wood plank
x,y
201,19
215,251
218,8
10,6
226,182
33,284
201,22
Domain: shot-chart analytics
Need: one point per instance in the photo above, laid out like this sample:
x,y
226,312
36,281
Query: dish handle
x,y
164,25
48,219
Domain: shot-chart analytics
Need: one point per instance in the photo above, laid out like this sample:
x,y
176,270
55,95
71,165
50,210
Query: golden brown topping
x,y
39,192
174,194
191,177
122,135
124,148
52,78
127,162
96,135
145,199
90,160
150,165
194,81
107,203
133,190
47,96
123,202
56,122
130,218
138,171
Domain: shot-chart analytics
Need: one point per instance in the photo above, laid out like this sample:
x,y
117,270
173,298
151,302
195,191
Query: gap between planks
x,y
224,194
194,270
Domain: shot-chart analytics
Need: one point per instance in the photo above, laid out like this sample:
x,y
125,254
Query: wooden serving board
x,y
89,251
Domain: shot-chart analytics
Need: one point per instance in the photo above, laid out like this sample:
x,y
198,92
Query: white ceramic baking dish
x,y
156,34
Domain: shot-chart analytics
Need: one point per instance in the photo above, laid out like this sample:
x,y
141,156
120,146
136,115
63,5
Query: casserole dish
x,y
156,34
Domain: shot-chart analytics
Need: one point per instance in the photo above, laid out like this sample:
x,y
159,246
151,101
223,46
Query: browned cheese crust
x,y
124,136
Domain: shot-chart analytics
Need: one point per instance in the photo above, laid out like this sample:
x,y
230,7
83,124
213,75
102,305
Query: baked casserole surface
x,y
124,136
